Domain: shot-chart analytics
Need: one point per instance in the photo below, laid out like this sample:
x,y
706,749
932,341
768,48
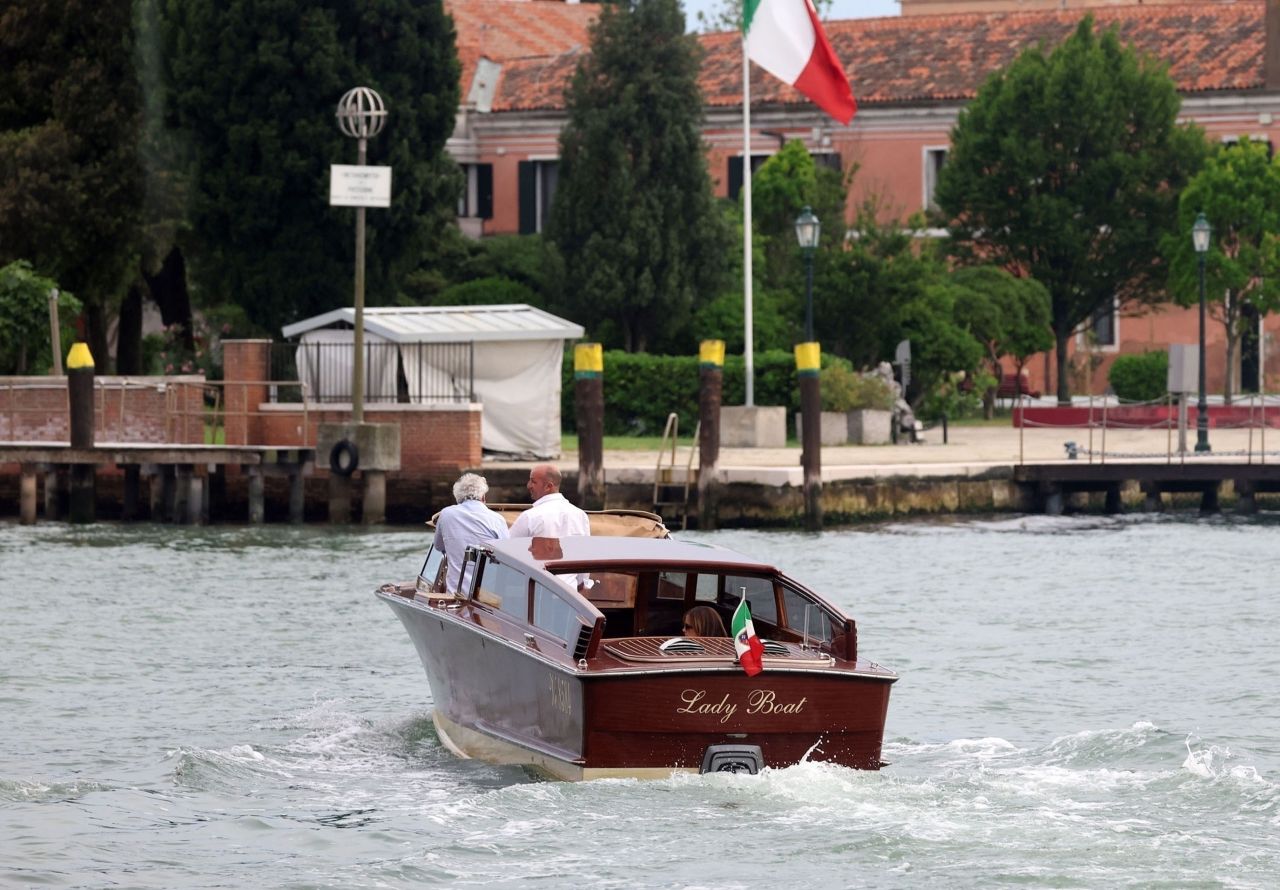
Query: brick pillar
x,y
245,365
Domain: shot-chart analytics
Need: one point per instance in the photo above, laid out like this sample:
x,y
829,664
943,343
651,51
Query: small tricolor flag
x,y
785,38
745,642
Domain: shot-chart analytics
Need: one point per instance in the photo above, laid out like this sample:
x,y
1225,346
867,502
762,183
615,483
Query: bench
x,y
1014,385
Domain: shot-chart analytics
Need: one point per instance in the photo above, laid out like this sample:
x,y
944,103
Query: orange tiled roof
x,y
514,32
902,60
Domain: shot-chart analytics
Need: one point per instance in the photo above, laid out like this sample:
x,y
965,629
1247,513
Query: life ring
x,y
344,457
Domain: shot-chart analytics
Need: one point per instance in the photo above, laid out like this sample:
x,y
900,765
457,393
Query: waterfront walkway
x,y
969,451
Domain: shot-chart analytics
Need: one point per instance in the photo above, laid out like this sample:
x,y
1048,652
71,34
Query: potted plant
x,y
863,402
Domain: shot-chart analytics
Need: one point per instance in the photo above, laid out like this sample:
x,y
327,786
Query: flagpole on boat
x,y
748,338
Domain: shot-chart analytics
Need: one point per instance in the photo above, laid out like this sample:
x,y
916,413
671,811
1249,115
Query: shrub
x,y
1140,378
843,389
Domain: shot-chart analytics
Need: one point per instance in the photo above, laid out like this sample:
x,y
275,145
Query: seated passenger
x,y
703,621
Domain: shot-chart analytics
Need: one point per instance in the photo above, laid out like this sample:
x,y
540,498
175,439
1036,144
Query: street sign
x,y
359,186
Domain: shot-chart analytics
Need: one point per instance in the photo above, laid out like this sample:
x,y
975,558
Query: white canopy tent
x,y
515,358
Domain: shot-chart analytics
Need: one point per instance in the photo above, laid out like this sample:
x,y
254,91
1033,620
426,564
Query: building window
x,y
1104,327
735,173
476,200
827,159
934,159
1228,141
538,181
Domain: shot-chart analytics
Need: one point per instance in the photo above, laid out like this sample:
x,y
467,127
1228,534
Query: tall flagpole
x,y
748,340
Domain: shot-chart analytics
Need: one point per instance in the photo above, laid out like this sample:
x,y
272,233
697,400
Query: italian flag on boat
x,y
785,38
745,641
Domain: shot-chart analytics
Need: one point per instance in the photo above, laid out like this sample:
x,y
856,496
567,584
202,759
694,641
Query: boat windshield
x,y
653,603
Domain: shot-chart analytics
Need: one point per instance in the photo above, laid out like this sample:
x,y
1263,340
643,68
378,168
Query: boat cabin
x,y
570,594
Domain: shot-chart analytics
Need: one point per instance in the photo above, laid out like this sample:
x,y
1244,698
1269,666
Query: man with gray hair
x,y
465,524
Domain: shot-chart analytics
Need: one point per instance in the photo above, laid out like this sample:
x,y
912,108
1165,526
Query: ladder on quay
x,y
671,484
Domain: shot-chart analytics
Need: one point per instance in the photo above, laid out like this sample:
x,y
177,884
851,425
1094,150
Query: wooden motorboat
x,y
525,669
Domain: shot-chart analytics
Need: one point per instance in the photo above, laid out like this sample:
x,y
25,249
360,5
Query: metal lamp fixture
x,y
808,228
1200,232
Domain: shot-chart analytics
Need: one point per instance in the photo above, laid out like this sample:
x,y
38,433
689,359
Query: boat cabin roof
x,y
599,553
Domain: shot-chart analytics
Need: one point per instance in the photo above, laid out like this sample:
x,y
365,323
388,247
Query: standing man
x,y
465,524
551,516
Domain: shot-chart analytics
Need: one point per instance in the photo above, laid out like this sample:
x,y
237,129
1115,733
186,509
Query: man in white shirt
x,y
465,524
552,516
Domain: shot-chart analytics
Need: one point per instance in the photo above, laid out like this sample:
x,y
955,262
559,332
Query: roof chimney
x,y
1271,47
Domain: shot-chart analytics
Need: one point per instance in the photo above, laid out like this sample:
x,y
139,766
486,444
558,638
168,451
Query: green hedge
x,y
1140,378
640,390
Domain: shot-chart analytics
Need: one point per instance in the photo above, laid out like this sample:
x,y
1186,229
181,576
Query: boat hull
x,y
504,703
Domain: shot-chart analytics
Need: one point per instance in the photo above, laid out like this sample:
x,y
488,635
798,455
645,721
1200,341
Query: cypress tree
x,y
634,218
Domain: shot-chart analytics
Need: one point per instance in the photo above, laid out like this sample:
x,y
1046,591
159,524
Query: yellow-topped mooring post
x,y
710,396
80,420
808,364
588,412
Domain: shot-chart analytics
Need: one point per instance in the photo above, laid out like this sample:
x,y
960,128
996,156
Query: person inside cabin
x,y
465,524
704,621
552,515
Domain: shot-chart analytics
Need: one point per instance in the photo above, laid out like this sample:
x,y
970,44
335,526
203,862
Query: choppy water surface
x,y
1083,703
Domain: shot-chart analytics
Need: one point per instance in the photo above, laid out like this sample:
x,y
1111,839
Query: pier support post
x,y
82,504
1209,500
168,495
298,496
339,499
373,510
195,496
1054,501
80,405
1152,502
132,481
27,496
1113,498
710,395
588,409
257,496
1247,497
808,361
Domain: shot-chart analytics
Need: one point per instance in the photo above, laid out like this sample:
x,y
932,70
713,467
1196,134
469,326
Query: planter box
x,y
834,428
754,427
870,427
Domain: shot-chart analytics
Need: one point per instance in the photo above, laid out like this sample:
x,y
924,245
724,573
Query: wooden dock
x,y
176,476
1047,487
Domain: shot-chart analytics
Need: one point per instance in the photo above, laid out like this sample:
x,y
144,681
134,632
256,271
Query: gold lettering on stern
x,y
561,695
765,701
694,704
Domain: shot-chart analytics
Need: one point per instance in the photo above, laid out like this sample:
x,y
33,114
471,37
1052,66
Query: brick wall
x,y
126,409
246,366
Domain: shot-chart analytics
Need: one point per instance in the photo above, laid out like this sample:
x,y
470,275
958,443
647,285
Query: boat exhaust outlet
x,y
732,759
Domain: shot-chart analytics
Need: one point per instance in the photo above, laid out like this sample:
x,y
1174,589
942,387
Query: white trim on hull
x,y
469,743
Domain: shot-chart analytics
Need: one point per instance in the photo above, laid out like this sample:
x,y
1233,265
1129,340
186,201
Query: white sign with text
x,y
356,186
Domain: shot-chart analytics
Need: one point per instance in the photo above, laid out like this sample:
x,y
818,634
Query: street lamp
x,y
808,227
1200,240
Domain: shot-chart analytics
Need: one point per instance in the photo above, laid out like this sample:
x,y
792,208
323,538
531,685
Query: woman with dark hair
x,y
703,621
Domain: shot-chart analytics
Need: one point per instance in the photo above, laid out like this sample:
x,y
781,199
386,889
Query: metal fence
x,y
411,373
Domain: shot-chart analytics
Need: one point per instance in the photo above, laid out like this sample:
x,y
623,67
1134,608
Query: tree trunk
x,y
129,332
95,334
1064,384
169,289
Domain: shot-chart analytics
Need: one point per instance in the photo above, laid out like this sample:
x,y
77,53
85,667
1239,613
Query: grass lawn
x,y
569,442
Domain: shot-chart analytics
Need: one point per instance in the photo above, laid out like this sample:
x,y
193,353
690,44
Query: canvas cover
x,y
517,382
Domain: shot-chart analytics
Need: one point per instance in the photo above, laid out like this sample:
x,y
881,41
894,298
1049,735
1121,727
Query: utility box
x,y
1184,368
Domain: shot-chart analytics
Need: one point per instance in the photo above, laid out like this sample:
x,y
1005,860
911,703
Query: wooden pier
x,y
1047,487
176,476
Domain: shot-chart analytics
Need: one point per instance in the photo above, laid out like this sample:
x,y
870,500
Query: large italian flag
x,y
745,642
785,38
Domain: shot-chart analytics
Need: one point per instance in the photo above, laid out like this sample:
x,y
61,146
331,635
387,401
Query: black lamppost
x,y
1200,240
808,227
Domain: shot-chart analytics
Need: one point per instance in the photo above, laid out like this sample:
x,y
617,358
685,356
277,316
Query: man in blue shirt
x,y
465,524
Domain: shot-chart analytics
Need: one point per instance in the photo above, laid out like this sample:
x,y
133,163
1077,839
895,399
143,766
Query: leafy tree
x,y
634,220
1066,168
1007,315
70,176
25,345
1238,190
783,186
254,86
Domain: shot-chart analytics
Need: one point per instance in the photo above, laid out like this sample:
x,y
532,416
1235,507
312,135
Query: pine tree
x,y
634,218
254,86
70,176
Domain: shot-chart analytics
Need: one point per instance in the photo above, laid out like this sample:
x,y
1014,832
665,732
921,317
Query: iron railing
x,y
413,373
